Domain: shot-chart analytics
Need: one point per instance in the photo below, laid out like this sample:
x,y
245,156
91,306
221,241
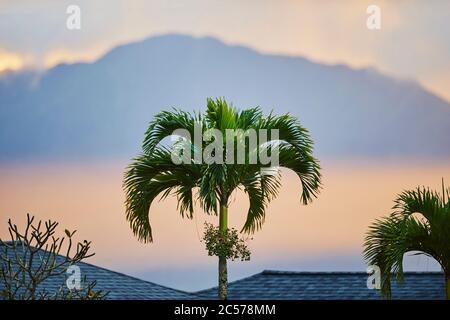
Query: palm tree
x,y
154,173
420,222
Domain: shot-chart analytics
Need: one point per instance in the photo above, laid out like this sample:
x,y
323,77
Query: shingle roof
x,y
286,285
119,285
276,285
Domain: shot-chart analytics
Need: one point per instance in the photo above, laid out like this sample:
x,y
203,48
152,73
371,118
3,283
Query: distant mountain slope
x,y
102,109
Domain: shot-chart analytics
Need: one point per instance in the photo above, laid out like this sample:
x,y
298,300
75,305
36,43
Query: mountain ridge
x,y
85,109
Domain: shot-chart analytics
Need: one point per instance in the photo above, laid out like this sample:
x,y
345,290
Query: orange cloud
x,y
10,61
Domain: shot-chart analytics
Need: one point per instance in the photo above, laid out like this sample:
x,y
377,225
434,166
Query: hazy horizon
x,y
324,236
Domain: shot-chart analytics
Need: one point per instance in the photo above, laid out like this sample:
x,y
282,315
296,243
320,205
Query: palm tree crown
x,y
153,173
420,222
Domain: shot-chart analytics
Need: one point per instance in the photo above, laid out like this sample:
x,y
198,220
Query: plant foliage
x,y
225,243
35,255
153,173
420,223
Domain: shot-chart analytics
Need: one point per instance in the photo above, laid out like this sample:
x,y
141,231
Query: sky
x,y
412,42
326,235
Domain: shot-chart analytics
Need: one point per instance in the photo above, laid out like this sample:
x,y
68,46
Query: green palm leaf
x,y
420,222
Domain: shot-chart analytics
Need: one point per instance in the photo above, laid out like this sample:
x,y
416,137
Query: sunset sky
x,y
324,236
413,44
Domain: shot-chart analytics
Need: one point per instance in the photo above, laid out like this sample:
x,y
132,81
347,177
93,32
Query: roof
x,y
118,285
289,285
269,284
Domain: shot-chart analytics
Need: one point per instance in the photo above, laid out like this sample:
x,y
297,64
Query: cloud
x,y
10,61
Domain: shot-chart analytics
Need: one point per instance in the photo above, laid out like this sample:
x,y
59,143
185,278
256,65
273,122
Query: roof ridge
x,y
118,273
289,272
230,282
133,277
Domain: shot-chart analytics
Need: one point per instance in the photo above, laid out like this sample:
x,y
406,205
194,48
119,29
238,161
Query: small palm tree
x,y
420,222
154,173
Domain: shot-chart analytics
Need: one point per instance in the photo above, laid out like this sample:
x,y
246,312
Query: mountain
x,y
102,109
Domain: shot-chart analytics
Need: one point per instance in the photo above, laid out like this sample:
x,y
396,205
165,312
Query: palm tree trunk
x,y
223,273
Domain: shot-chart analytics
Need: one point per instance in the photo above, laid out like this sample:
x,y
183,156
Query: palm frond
x,y
422,200
305,166
220,115
154,174
295,152
390,238
290,131
261,189
165,123
150,176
